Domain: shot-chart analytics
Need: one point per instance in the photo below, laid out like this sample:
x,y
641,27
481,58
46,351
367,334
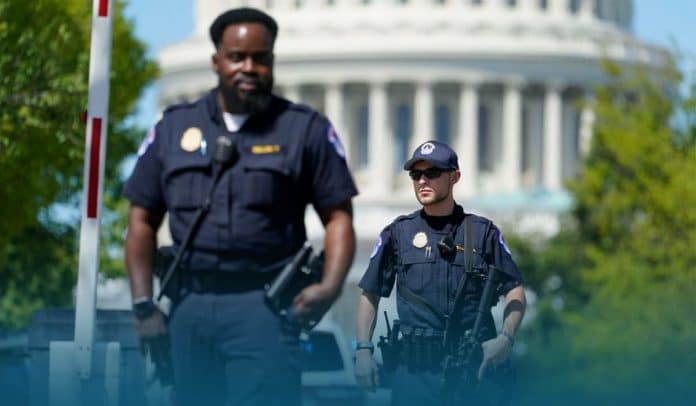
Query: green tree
x,y
44,60
625,331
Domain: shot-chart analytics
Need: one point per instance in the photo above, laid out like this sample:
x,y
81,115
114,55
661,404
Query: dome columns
x,y
587,120
466,139
519,144
424,105
379,140
552,136
335,110
512,136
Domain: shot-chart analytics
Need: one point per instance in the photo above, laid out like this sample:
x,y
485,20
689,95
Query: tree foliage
x,y
44,60
620,328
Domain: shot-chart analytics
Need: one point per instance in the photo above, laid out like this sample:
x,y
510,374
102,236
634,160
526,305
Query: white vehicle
x,y
327,377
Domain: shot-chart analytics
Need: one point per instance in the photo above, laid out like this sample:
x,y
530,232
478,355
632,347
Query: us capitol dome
x,y
503,81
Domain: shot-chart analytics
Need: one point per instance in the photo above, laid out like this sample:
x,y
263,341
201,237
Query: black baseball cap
x,y
437,153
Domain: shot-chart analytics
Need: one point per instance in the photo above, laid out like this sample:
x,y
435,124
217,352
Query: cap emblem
x,y
427,148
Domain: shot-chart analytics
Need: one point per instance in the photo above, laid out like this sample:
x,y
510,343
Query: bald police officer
x,y
427,255
228,347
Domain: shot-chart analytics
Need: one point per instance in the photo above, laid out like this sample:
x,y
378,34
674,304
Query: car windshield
x,y
321,353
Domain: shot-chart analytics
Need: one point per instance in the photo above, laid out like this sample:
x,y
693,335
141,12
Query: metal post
x,y
70,363
95,153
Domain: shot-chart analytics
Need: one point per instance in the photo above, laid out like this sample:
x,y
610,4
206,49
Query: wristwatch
x,y
365,345
144,308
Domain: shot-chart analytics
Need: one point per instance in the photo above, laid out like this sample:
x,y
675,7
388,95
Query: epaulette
x,y
300,107
179,106
406,216
479,219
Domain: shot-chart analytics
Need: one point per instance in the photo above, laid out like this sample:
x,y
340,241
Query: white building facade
x,y
505,82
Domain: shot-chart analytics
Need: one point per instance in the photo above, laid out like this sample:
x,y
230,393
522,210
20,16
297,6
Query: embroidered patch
x,y
149,139
502,243
265,149
378,245
427,148
335,142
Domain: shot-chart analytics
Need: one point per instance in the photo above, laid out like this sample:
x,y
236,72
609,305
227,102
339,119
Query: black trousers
x,y
230,349
418,386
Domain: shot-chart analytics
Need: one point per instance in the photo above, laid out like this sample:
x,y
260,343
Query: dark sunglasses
x,y
430,173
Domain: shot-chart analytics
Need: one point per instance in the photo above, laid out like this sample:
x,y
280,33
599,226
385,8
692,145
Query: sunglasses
x,y
430,173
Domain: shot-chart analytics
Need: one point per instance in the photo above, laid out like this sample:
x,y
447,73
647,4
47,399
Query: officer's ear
x,y
456,175
215,62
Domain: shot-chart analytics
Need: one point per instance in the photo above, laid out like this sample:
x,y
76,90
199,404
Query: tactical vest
x,y
434,278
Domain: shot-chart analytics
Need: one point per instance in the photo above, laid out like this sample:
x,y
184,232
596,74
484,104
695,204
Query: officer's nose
x,y
248,64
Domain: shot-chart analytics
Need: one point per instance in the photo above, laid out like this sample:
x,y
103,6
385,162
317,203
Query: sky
x,y
669,23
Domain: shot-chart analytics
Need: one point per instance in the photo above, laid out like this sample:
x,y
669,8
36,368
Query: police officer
x,y
227,346
425,254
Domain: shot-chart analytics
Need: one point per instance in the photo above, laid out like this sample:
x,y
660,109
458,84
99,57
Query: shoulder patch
x,y
378,245
335,141
149,139
406,216
179,106
502,242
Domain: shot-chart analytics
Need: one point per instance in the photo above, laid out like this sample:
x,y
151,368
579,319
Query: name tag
x,y
265,149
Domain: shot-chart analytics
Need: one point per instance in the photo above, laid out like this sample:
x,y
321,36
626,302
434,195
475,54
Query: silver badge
x,y
420,240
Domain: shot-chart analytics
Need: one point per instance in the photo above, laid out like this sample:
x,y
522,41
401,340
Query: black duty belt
x,y
226,282
422,348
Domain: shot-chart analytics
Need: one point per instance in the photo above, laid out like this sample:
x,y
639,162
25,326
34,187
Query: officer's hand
x,y
495,351
313,302
366,372
153,326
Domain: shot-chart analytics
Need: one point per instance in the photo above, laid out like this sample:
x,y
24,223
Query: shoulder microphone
x,y
225,151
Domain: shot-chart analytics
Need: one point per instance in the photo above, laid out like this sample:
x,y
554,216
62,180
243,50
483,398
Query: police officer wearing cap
x,y
227,346
425,255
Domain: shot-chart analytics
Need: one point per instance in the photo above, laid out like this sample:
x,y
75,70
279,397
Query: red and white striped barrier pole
x,y
93,183
72,363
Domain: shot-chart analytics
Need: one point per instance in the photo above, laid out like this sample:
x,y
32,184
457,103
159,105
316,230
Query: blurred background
x,y
574,121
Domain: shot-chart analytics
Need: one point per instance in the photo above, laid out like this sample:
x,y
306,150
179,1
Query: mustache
x,y
255,80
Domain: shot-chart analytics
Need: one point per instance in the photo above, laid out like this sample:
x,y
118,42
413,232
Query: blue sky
x,y
160,22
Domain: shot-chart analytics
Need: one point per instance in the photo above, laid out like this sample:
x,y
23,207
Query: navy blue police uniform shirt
x,y
406,252
289,156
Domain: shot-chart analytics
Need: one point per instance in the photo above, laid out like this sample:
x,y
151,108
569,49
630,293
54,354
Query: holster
x,y
303,270
422,349
390,347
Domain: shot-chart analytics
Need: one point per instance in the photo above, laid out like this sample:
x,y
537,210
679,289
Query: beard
x,y
239,101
